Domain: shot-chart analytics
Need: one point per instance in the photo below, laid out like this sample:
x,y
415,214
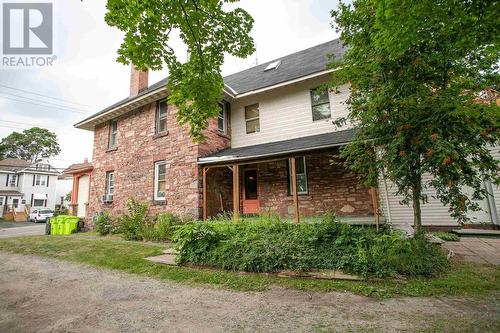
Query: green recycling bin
x,y
55,226
67,224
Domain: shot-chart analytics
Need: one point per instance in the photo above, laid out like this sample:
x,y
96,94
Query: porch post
x,y
373,192
204,193
293,171
236,192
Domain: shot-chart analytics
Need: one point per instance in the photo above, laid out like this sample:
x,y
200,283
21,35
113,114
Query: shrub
x,y
447,236
269,245
103,224
133,224
162,229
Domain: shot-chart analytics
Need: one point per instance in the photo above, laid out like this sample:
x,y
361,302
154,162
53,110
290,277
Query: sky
x,y
86,78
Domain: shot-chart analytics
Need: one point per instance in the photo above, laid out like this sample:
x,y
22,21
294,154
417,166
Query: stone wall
x,y
331,188
133,164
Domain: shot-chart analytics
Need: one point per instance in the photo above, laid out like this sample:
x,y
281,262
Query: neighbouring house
x,y
80,174
268,151
24,185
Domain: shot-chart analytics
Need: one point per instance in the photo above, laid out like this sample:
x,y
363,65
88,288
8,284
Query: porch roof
x,y
297,145
10,193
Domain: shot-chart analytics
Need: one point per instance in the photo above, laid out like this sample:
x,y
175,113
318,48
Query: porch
x,y
292,179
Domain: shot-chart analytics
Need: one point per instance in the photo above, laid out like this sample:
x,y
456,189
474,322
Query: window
x,y
110,183
320,103
38,203
113,134
160,180
41,180
252,118
222,118
43,167
300,170
161,116
13,180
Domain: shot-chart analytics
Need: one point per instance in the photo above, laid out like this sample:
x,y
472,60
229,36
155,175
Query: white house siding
x,y
433,212
495,152
285,113
28,189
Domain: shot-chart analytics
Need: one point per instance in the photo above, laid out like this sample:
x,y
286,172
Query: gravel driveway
x,y
47,295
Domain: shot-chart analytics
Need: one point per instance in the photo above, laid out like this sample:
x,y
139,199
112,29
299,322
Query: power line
x,y
42,101
23,128
35,125
42,95
46,106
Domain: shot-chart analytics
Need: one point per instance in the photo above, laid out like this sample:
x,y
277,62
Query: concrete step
x,y
477,233
166,259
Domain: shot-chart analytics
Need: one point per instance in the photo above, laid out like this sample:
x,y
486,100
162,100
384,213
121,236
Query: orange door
x,y
251,203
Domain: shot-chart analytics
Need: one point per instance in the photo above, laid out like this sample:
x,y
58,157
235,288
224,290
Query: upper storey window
x,y
113,134
320,103
161,116
222,118
252,118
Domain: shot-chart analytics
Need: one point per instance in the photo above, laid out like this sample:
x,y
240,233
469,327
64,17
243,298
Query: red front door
x,y
251,203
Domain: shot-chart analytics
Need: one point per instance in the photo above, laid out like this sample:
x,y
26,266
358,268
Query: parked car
x,y
40,215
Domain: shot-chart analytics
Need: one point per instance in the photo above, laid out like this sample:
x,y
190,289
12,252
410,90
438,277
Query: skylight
x,y
273,65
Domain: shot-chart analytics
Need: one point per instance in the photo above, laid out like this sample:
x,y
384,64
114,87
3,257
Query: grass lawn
x,y
113,253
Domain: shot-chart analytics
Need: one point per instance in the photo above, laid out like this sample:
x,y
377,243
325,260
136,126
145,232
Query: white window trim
x,y
41,180
158,117
312,91
305,174
250,119
224,118
13,181
156,178
110,190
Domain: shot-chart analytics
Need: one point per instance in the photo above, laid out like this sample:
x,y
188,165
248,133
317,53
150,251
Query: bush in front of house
x,y
137,225
103,224
270,246
447,236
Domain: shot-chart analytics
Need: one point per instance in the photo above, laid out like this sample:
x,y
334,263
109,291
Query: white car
x,y
40,215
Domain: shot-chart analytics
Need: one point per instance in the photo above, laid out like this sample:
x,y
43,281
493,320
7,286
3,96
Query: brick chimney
x,y
138,81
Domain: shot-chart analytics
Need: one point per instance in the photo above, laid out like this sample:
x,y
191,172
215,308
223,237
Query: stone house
x,y
268,151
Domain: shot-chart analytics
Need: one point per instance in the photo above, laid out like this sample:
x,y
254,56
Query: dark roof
x,y
13,164
293,66
283,147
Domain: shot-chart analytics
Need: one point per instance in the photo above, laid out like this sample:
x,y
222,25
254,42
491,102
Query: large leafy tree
x,y
206,28
416,71
30,145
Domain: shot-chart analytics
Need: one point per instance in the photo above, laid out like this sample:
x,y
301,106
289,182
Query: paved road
x,y
16,229
46,295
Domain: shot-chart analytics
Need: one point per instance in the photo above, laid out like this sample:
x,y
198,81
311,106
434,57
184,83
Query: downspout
x,y
491,202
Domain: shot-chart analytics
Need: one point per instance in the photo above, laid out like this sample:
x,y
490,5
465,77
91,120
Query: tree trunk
x,y
417,212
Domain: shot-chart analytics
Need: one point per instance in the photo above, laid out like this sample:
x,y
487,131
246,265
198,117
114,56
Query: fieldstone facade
x,y
133,161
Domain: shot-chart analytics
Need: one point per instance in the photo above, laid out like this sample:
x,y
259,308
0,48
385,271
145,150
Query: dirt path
x,y
46,295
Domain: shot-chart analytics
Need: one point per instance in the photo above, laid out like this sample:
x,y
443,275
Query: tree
x,y
208,31
416,70
30,145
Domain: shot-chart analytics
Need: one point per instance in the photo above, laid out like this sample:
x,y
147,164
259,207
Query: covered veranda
x,y
291,178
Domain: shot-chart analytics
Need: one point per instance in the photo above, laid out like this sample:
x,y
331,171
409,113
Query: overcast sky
x,y
85,78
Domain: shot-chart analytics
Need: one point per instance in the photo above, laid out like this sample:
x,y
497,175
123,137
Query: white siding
x,y
27,188
285,113
433,212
